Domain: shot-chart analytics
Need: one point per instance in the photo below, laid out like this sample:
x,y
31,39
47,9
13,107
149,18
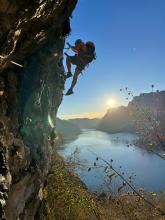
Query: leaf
x,y
153,194
89,169
106,168
110,176
124,184
120,188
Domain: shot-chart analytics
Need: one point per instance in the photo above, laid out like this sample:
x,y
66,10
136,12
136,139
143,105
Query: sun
x,y
111,103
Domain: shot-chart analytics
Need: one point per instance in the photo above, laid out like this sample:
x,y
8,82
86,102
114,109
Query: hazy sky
x,y
130,46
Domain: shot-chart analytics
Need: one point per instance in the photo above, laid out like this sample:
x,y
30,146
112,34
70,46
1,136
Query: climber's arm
x,y
73,48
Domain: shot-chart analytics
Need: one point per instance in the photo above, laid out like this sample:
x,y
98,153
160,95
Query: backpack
x,y
90,54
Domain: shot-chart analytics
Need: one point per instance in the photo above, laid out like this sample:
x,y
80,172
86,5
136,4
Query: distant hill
x,y
144,114
85,122
117,120
68,130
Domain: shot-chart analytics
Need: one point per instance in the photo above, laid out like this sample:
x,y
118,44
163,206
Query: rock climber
x,y
84,54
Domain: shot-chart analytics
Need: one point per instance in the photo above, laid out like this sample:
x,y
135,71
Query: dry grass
x,y
66,198
132,208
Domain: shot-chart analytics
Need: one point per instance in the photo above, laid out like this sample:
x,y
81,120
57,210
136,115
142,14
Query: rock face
x,y
32,37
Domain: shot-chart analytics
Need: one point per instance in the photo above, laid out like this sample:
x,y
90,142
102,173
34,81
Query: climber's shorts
x,y
75,60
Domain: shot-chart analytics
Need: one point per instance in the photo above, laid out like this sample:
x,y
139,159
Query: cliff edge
x,y
32,38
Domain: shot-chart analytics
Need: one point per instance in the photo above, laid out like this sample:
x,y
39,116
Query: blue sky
x,y
130,46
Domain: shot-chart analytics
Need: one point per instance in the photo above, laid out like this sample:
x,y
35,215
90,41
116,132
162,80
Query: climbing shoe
x,y
69,92
69,74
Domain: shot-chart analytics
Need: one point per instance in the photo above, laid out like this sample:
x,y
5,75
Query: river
x,y
143,169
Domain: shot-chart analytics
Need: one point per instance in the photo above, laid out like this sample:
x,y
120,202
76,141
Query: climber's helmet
x,y
78,41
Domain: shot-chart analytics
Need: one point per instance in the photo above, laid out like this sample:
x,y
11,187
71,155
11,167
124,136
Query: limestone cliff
x,y
32,37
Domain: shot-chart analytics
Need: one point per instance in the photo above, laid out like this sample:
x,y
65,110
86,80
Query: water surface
x,y
147,169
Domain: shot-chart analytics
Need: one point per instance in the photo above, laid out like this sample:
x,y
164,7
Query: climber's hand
x,y
68,44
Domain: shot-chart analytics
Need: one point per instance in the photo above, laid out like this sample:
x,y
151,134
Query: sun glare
x,y
111,103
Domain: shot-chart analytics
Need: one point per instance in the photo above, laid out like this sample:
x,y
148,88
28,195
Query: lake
x,y
143,169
